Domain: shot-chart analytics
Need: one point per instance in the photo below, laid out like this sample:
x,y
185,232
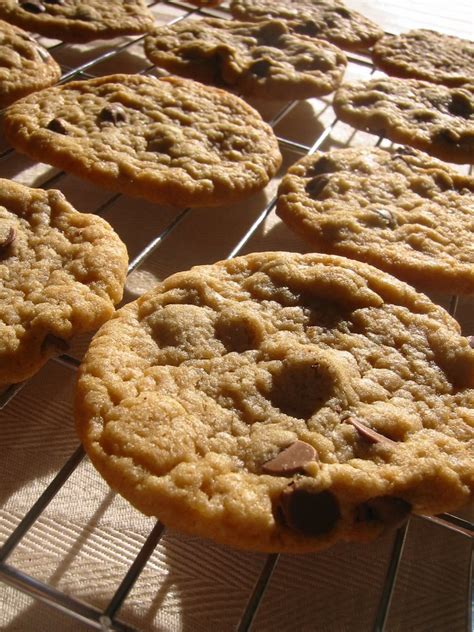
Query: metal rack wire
x,y
108,617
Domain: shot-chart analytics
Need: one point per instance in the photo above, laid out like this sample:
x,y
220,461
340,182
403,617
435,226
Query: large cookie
x,y
434,118
79,20
61,272
330,21
405,213
281,402
25,65
425,54
170,140
261,59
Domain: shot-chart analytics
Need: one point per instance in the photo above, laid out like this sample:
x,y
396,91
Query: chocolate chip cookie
x,y
434,118
261,59
330,21
61,272
25,65
79,20
170,140
404,212
281,402
425,54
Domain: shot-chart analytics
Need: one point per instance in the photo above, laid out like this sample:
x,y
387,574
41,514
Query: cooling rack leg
x,y
257,594
42,502
387,593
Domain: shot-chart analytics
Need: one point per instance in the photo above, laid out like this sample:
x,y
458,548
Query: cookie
x,y
172,141
281,402
330,21
428,55
403,212
257,59
79,20
25,65
61,272
434,118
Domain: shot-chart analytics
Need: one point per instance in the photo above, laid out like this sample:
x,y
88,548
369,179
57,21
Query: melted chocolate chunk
x,y
33,6
113,114
443,181
309,27
159,145
291,460
43,53
390,511
385,218
9,239
344,13
404,151
311,513
53,345
321,166
316,185
366,432
260,68
57,125
460,105
446,136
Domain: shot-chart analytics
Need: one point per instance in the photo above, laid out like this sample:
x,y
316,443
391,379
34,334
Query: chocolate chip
x,y
60,2
260,68
323,165
446,136
460,105
470,340
57,125
291,460
33,6
371,435
308,27
385,218
9,239
113,114
53,345
316,185
443,181
344,13
389,510
43,53
271,32
159,145
404,151
307,511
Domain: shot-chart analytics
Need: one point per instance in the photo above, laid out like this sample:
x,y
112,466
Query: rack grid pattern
x,y
109,617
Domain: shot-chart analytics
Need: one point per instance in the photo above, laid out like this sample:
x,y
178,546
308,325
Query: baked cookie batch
x,y
275,401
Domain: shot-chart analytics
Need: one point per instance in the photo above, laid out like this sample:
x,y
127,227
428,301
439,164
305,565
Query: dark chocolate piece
x,y
10,238
312,513
57,125
389,510
113,114
33,6
260,68
316,185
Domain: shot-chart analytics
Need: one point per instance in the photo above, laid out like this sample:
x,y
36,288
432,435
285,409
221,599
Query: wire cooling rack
x,y
295,141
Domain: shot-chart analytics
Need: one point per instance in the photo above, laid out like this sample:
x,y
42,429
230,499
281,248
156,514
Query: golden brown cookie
x,y
79,20
434,118
261,59
170,140
404,212
428,55
331,21
61,273
25,65
281,402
